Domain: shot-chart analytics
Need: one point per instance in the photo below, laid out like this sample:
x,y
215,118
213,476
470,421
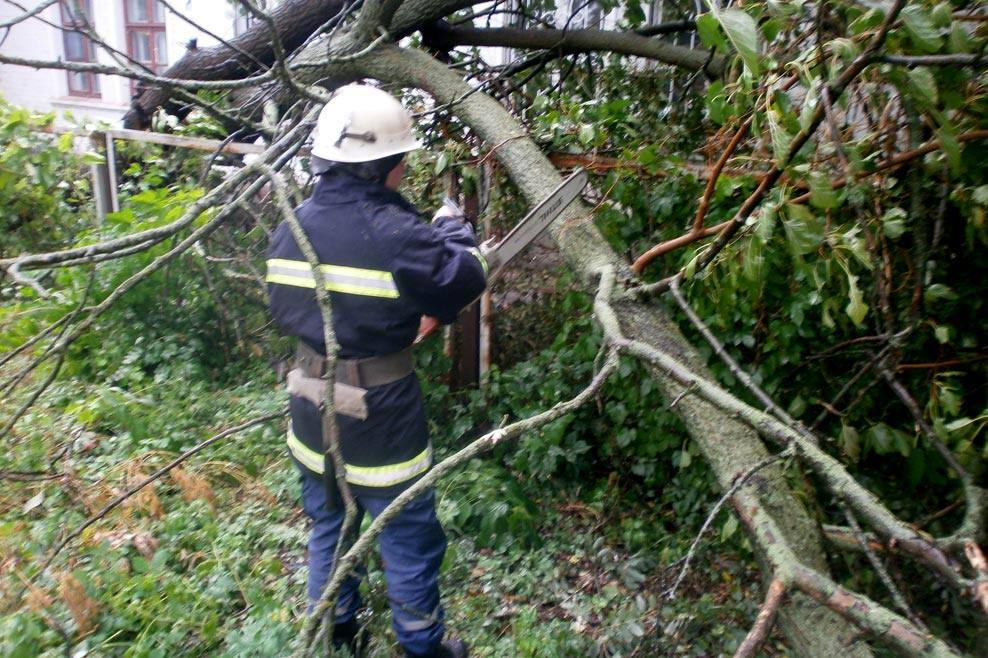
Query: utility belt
x,y
353,378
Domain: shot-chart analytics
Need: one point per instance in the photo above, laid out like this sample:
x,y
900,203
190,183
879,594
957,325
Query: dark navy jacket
x,y
384,268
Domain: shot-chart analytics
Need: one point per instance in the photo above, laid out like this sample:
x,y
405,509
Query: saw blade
x,y
540,217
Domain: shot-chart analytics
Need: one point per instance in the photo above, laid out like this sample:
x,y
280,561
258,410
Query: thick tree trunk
x,y
730,447
295,21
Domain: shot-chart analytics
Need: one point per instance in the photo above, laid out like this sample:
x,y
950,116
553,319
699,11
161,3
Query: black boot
x,y
348,639
453,647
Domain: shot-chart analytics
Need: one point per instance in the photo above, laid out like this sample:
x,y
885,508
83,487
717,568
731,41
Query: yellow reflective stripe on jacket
x,y
308,457
339,278
366,476
480,257
385,476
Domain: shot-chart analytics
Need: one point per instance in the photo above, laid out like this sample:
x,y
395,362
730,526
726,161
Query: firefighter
x,y
385,270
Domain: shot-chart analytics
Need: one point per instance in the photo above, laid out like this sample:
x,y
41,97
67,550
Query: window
x,y
244,18
655,12
584,14
78,47
146,39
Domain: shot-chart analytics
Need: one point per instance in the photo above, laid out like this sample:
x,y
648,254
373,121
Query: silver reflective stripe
x,y
385,476
418,624
339,278
366,476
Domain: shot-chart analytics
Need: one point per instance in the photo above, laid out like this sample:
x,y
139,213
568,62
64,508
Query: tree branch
x,y
756,637
580,41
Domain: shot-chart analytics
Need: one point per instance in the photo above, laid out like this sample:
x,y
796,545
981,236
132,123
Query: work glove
x,y
488,251
451,210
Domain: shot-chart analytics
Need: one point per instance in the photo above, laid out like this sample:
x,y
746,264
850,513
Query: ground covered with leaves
x,y
210,559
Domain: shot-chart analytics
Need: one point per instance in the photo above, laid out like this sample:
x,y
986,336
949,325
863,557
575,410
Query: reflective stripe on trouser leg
x,y
322,544
412,549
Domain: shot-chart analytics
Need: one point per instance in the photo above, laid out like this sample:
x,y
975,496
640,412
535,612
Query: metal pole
x,y
103,193
111,171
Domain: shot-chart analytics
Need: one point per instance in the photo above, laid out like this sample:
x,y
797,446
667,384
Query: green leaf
x,y
804,230
951,147
586,134
980,195
894,222
923,86
959,40
742,30
822,194
781,139
850,442
716,102
919,25
729,528
865,22
856,309
442,163
882,438
845,49
942,334
710,35
938,291
943,15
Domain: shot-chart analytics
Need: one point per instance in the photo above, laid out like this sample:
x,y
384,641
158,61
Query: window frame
x,y
152,28
70,27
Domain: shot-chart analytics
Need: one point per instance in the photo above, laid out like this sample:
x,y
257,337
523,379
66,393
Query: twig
x,y
756,637
883,574
980,565
739,482
933,60
349,559
116,502
835,89
327,410
925,428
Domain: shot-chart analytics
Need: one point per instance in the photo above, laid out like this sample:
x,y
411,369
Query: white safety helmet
x,y
362,123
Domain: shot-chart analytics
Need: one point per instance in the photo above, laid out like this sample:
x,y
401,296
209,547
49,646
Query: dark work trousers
x,y
412,548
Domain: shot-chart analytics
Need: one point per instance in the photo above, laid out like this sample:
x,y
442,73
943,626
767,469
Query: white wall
x,y
46,90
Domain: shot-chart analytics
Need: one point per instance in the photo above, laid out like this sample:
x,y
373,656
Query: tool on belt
x,y
353,378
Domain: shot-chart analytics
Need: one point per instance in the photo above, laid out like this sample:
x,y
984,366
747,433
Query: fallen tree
x,y
818,615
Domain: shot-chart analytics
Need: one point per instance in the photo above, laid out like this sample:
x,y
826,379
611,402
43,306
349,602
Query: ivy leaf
x,y
856,309
742,30
919,25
